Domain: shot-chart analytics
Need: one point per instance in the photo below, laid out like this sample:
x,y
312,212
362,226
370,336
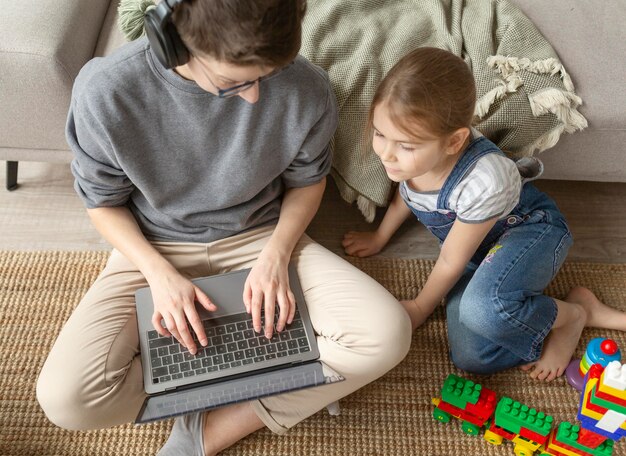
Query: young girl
x,y
503,240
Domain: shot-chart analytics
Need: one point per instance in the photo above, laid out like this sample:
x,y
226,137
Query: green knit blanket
x,y
525,97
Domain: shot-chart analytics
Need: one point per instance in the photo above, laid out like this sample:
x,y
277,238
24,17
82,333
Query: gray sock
x,y
186,437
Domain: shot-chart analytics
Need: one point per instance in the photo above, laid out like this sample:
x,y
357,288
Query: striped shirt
x,y
490,189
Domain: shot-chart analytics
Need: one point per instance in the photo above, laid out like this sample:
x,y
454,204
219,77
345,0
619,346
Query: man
x,y
203,150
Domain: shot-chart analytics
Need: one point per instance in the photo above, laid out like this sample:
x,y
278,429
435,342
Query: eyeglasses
x,y
235,90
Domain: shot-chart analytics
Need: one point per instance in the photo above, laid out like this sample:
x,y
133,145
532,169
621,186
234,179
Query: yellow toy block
x,y
555,445
519,440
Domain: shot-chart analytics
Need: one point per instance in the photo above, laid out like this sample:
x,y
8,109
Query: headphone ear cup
x,y
163,37
180,53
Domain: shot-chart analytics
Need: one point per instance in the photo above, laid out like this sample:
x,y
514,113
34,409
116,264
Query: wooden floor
x,y
44,213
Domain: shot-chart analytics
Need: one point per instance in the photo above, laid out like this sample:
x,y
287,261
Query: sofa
x,y
43,46
44,43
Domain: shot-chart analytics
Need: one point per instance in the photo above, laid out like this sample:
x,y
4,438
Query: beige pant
x,y
92,378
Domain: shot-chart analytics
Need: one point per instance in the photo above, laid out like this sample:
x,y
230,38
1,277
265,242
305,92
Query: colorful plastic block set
x,y
601,413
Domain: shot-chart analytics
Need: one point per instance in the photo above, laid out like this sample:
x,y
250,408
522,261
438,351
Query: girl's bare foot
x,y
560,344
580,309
558,348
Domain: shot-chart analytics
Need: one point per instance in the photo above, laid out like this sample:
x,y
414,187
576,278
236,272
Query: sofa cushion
x,y
43,45
111,36
589,38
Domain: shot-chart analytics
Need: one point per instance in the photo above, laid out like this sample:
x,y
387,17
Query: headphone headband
x,y
163,36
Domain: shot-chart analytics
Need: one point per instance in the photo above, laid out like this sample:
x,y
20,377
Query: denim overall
x,y
497,313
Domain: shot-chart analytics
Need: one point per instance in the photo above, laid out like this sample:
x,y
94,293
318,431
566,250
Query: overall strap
x,y
476,149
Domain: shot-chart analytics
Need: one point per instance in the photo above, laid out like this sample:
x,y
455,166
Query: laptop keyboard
x,y
207,397
232,342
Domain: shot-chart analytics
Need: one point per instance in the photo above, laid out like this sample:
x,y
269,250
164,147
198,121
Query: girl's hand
x,y
174,299
268,285
362,244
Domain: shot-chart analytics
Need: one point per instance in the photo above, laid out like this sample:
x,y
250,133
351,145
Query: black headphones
x,y
163,36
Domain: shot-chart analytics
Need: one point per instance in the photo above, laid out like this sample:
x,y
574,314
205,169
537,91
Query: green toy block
x,y
606,404
512,416
459,391
568,434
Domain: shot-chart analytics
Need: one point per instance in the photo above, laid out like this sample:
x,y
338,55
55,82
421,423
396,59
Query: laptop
x,y
237,364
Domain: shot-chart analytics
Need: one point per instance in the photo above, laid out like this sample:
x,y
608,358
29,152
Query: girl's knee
x,y
487,314
476,355
477,313
472,363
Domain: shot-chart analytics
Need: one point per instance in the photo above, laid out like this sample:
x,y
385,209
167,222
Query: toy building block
x,y
485,406
589,438
459,391
612,391
524,447
605,401
552,452
607,397
606,419
533,436
613,380
492,437
495,434
592,425
439,414
513,416
460,413
612,421
567,438
555,448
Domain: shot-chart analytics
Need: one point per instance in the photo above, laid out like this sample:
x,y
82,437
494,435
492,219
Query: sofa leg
x,y
11,175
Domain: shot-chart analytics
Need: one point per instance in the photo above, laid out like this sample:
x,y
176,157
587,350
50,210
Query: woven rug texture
x,y
392,416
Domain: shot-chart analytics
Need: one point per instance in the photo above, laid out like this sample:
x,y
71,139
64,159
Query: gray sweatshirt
x,y
190,166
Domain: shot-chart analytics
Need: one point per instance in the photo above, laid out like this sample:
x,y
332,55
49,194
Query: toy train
x,y
602,414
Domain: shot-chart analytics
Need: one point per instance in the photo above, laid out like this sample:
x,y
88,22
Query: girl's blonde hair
x,y
429,87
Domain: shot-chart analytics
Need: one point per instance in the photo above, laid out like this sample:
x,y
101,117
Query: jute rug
x,y
392,416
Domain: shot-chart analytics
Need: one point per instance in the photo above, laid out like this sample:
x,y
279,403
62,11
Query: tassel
x,y
131,17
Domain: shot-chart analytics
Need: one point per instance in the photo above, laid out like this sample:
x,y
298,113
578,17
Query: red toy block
x,y
607,397
461,414
501,431
589,438
553,442
485,405
533,436
595,371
